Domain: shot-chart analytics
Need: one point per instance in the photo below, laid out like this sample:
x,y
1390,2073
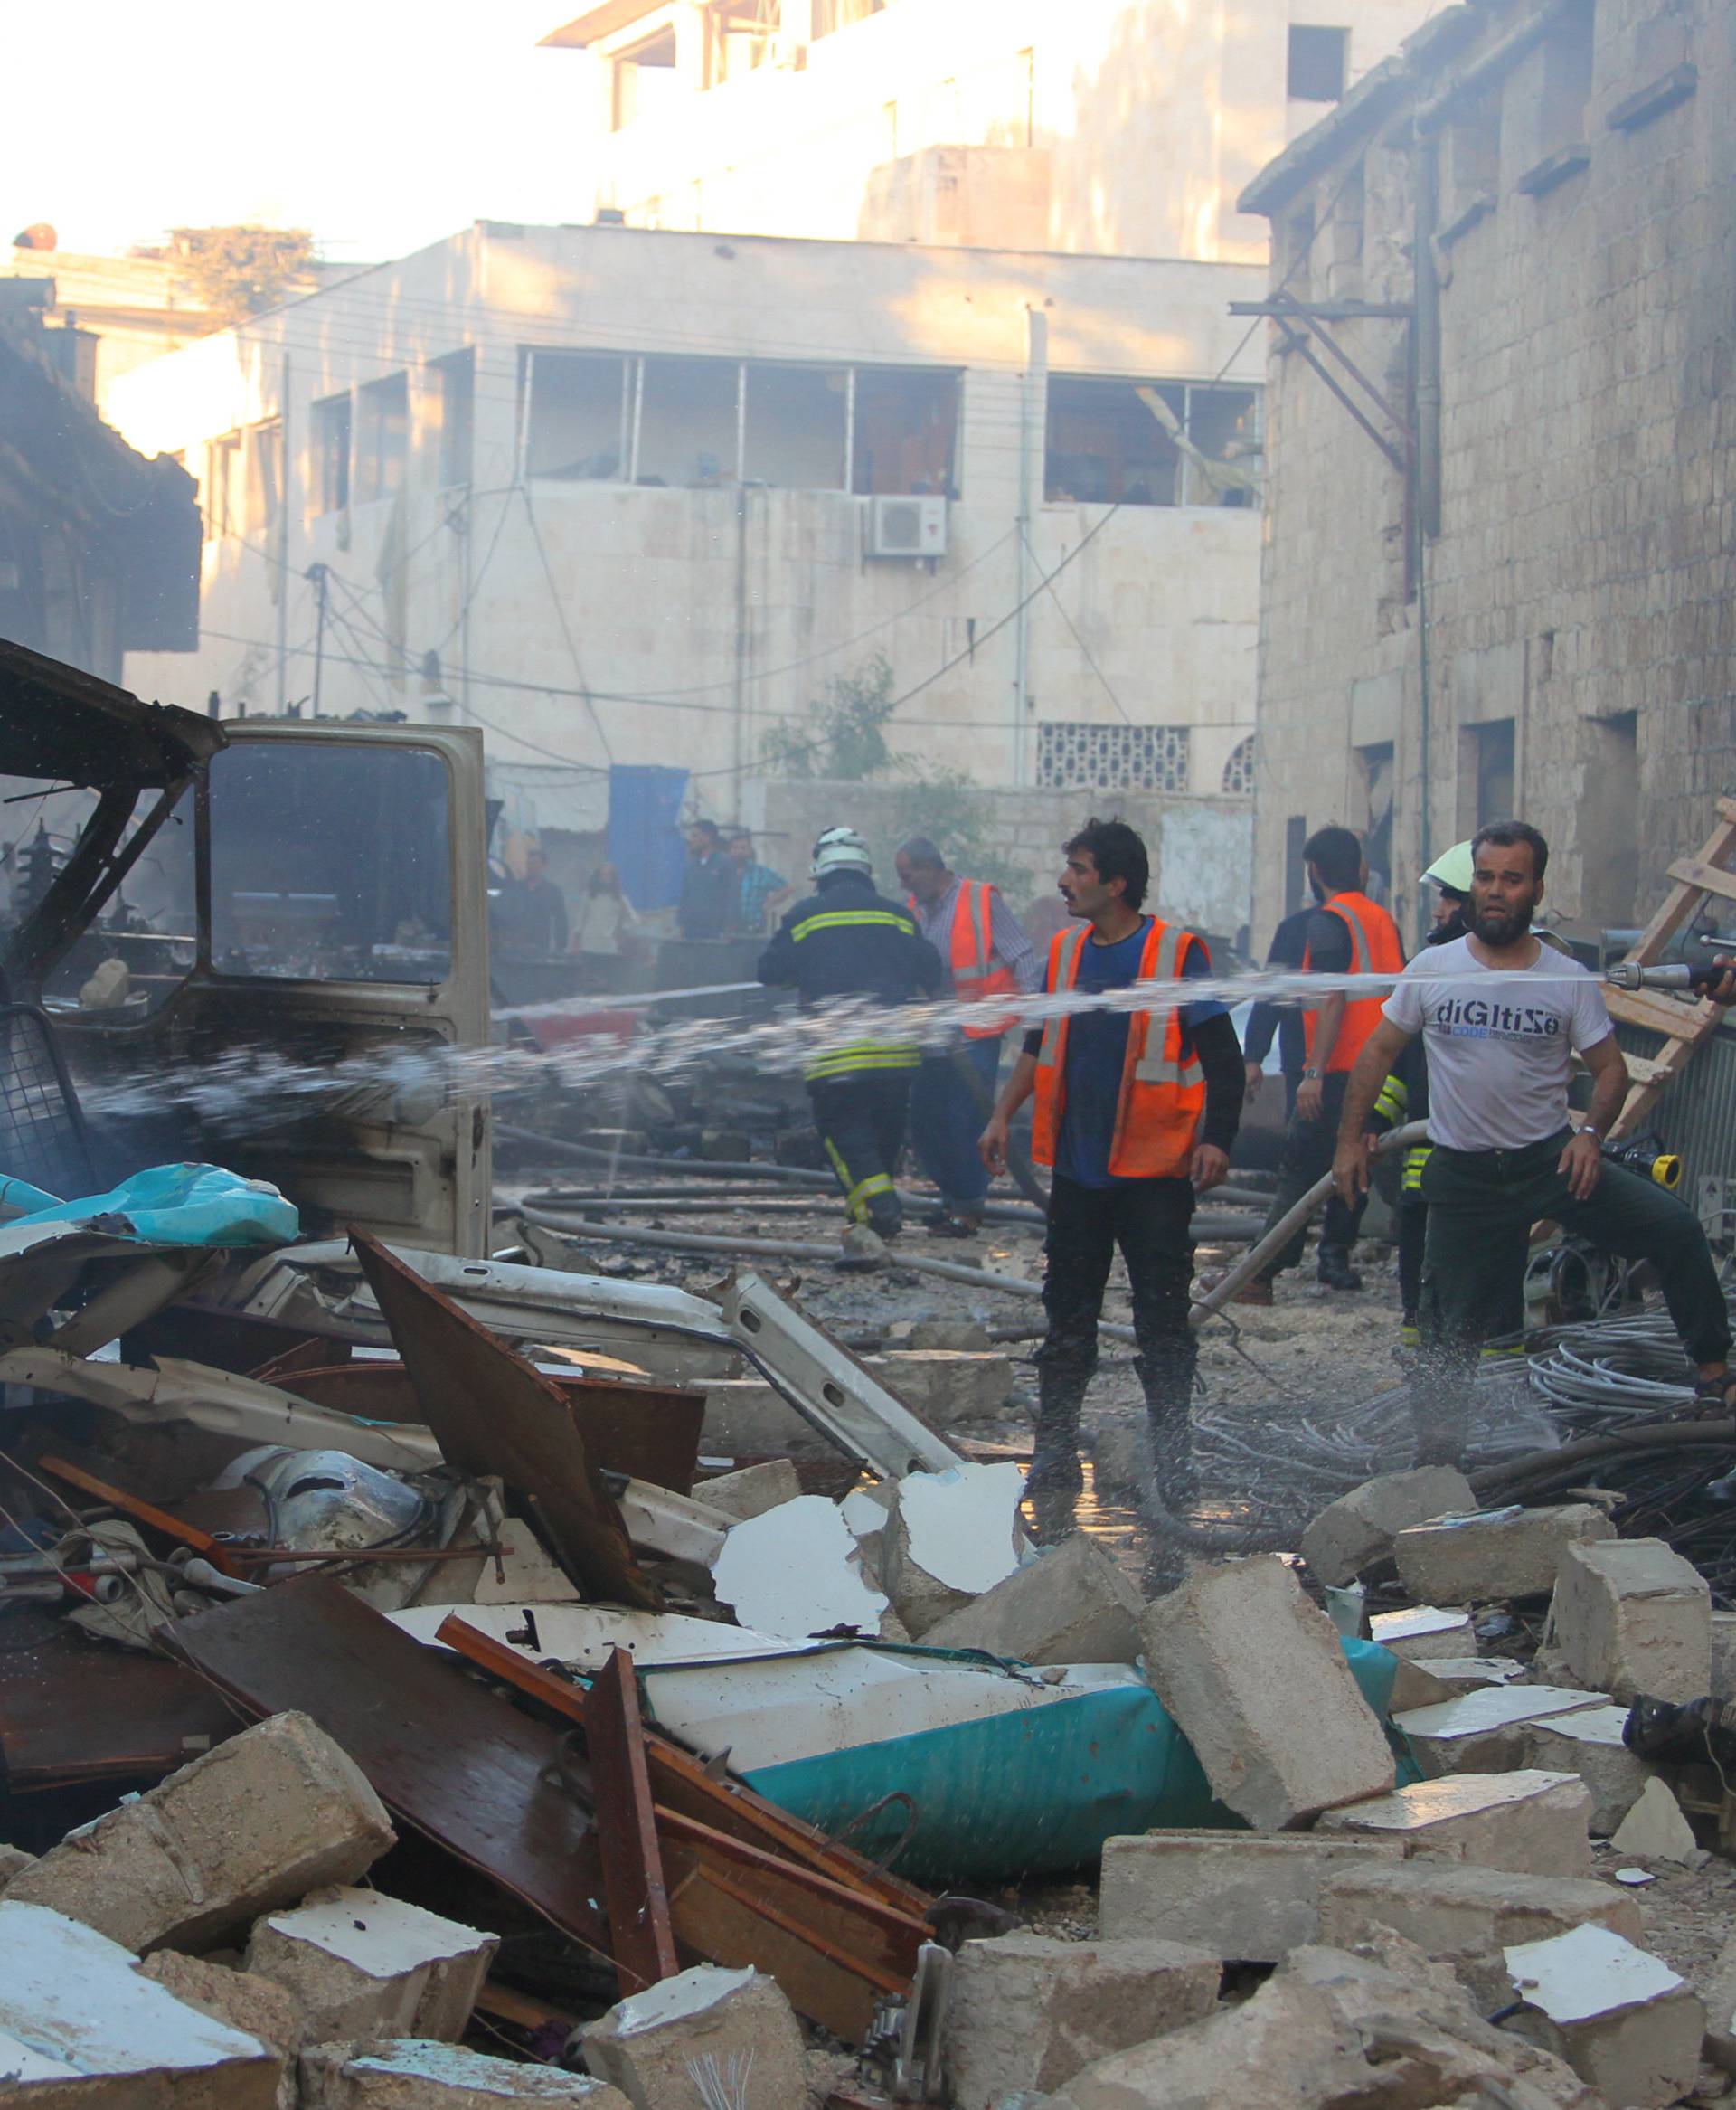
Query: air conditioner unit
x,y
908,527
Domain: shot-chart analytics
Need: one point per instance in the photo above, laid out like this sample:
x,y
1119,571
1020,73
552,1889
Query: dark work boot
x,y
1336,1271
1056,1478
1166,1377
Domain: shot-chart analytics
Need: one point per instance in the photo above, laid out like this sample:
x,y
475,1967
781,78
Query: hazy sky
x,y
379,125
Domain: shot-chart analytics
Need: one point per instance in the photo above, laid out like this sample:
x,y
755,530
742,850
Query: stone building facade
x,y
1514,593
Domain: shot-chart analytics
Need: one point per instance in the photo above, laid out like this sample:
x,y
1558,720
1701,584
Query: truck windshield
x,y
330,861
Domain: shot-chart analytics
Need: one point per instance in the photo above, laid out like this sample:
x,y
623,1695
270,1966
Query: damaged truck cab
x,y
260,942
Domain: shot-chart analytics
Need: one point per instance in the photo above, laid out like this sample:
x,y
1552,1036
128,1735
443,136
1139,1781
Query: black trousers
x,y
1305,1158
861,1120
1149,1222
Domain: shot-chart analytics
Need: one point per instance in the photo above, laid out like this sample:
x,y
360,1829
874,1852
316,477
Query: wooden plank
x,y
492,1414
681,1783
1708,878
147,1513
627,1828
73,1711
1680,901
1655,1012
479,1779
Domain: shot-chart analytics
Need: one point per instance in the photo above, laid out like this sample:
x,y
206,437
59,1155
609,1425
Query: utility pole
x,y
1033,390
317,575
284,460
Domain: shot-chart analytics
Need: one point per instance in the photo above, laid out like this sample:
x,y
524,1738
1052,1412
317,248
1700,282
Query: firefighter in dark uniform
x,y
845,940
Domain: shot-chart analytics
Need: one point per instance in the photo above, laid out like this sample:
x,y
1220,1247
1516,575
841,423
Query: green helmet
x,y
1452,871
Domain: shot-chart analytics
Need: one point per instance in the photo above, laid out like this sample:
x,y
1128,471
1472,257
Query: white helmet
x,y
839,849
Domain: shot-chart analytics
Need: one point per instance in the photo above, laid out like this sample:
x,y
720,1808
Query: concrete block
x,y
358,1964
1719,1986
1430,1631
254,1824
1415,1686
959,1336
418,2074
751,1491
1533,1824
1360,1527
1248,1896
74,2011
1465,1915
1494,1554
1655,1830
1589,1742
1073,1606
1029,2012
1723,1655
1253,1673
13,1861
729,2032
1484,1730
1632,1616
1619,2016
253,2005
939,1386
951,1536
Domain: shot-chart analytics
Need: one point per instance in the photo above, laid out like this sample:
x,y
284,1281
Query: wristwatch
x,y
1310,1076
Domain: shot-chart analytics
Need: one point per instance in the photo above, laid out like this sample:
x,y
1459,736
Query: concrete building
x,y
1517,588
634,498
1110,127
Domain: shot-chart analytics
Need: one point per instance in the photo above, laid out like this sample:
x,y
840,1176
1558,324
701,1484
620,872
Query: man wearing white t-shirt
x,y
1502,1016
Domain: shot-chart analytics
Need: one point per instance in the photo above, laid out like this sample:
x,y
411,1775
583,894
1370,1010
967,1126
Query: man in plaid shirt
x,y
762,889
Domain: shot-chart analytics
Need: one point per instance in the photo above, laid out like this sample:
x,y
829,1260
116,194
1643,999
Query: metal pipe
x,y
1288,1224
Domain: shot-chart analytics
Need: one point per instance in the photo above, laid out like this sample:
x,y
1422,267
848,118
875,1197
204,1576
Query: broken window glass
x,y
330,863
579,407
1223,427
688,423
1109,441
796,423
331,425
907,421
383,437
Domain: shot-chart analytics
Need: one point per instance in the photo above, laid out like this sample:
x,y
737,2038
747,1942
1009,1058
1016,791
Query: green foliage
x,y
239,271
844,740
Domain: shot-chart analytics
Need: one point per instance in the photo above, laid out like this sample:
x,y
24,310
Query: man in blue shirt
x,y
1093,1209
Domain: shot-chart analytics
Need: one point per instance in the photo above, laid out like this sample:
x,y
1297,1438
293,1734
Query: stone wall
x,y
1577,599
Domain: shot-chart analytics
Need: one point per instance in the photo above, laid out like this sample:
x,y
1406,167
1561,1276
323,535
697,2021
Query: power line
x,y
561,616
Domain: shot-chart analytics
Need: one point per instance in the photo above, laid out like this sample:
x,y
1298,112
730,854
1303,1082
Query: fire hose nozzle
x,y
1677,974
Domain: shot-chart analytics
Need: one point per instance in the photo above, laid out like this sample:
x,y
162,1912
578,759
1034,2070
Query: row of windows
x,y
697,424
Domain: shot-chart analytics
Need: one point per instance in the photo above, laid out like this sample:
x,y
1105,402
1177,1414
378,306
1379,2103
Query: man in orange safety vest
x,y
987,955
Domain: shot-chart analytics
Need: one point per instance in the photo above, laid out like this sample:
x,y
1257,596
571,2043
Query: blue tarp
x,y
173,1204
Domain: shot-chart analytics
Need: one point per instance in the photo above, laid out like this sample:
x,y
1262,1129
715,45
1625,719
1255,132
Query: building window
x,y
1610,821
689,422
797,427
1374,768
739,37
1486,773
1319,63
641,80
580,408
454,407
1546,97
331,429
223,485
264,476
382,437
1075,755
906,432
1148,442
1238,770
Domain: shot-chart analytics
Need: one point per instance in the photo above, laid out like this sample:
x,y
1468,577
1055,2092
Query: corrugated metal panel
x,y
1696,1116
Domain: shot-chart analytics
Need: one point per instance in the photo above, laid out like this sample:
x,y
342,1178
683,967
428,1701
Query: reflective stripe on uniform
x,y
1358,940
838,918
848,1062
1393,1101
1415,1158
856,1192
1048,1054
1153,1067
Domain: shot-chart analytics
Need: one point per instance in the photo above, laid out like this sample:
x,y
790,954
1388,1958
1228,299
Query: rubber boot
x,y
886,1216
1334,1269
1167,1378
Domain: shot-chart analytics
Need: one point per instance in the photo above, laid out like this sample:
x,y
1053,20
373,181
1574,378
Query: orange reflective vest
x,y
1163,1090
1375,948
973,947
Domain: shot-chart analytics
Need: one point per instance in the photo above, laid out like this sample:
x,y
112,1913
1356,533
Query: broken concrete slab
x,y
1723,1655
1719,1986
1248,1896
358,1964
74,2011
1071,1605
1028,2013
1359,1528
1619,2016
940,1386
797,1570
705,2037
1470,1673
256,1824
951,1536
1465,1915
1484,1730
1493,1555
1655,1830
13,1861
253,2005
1415,1686
1533,1824
1632,1616
1590,1742
752,1490
416,2075
1254,1675
1425,1631
959,1336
